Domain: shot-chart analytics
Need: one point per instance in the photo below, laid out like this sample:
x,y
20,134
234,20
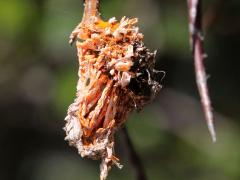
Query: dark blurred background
x,y
38,75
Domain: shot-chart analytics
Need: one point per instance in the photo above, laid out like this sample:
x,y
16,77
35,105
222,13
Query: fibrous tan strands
x,y
116,76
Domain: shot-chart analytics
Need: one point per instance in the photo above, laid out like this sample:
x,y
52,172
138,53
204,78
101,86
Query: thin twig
x,y
196,41
133,156
91,10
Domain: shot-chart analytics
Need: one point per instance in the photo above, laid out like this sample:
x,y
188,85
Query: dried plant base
x,y
116,76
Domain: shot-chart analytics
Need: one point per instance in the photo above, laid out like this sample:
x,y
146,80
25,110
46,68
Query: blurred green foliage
x,y
38,77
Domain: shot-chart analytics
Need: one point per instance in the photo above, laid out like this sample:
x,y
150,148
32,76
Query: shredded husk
x,y
116,75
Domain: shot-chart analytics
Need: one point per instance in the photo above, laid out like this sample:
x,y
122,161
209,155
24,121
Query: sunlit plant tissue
x,y
116,76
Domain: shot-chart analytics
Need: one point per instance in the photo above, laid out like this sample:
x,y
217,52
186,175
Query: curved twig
x,y
196,41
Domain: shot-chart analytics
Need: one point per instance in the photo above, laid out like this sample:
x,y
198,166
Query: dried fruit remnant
x,y
116,76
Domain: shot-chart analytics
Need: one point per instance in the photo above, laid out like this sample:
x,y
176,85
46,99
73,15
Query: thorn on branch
x,y
196,42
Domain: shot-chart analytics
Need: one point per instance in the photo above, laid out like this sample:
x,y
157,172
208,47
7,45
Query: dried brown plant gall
x,y
116,75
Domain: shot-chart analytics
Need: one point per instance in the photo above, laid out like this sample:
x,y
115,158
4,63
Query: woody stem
x,y
196,37
91,10
133,156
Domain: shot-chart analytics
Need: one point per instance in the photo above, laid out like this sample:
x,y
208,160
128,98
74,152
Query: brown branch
x,y
196,42
91,11
133,156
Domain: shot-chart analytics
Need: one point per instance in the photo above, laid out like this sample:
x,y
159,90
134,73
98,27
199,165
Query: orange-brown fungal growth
x,y
116,76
